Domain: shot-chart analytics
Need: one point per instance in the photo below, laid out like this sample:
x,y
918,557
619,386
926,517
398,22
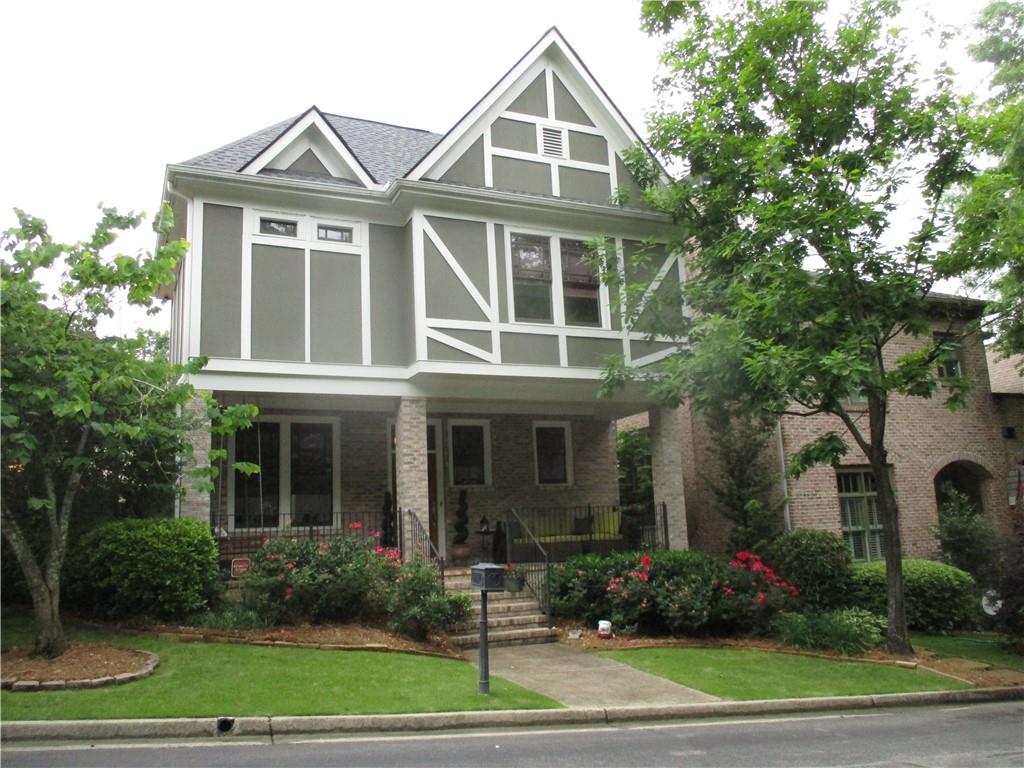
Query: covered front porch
x,y
413,470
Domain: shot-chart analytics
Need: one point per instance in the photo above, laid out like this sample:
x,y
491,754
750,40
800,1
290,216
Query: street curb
x,y
212,727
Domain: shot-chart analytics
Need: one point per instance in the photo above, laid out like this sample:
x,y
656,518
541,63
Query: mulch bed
x,y
81,661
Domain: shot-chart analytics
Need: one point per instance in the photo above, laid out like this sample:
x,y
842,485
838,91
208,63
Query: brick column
x,y
411,463
196,504
667,469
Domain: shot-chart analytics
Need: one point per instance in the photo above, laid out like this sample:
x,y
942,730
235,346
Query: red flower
x,y
729,590
355,526
645,561
761,599
639,575
744,556
324,546
288,593
379,549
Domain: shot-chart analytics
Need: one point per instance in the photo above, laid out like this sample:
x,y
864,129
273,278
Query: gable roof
x,y
386,151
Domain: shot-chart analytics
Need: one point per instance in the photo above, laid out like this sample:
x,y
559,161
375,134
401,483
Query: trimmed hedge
x,y
817,562
165,569
938,597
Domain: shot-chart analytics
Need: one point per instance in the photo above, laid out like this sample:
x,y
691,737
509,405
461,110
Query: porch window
x,y
581,288
552,449
312,460
531,277
470,443
280,227
257,497
859,513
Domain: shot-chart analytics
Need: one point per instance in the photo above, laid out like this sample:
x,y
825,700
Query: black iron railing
x,y
416,544
526,554
567,531
236,540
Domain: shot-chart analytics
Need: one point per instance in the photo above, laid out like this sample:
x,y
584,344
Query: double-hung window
x,y
470,442
949,362
859,513
531,278
552,449
580,287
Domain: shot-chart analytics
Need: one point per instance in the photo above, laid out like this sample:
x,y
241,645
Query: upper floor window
x,y
281,227
949,362
580,287
858,510
333,234
531,277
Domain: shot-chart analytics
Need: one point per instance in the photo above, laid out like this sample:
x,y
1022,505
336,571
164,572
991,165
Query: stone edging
x,y
16,685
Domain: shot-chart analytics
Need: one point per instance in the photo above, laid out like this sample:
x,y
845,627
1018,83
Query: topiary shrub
x,y
817,562
850,631
164,569
938,597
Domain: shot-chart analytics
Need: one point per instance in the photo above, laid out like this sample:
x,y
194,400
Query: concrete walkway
x,y
578,679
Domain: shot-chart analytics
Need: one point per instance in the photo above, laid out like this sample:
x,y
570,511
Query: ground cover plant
x,y
748,674
212,679
849,631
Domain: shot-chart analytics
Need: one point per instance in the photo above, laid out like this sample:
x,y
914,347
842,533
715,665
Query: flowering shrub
x,y
347,578
675,592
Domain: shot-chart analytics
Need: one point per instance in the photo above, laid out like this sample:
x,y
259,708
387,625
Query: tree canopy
x,y
77,407
797,137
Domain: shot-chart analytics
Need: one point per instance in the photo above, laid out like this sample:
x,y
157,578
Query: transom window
x,y
470,443
552,449
859,513
280,227
531,277
333,234
580,287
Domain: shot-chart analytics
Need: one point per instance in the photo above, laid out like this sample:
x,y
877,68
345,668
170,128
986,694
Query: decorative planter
x,y
460,554
514,583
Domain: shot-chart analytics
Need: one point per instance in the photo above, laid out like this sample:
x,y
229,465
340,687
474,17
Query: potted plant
x,y
460,549
515,578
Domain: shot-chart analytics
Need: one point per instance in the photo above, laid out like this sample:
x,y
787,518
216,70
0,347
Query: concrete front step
x,y
505,622
510,608
503,637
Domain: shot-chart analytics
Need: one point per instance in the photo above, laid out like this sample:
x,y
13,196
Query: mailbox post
x,y
487,577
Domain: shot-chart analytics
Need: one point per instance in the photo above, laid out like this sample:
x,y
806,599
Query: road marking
x,y
94,746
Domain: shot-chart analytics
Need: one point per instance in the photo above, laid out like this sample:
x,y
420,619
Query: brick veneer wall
x,y
923,437
513,483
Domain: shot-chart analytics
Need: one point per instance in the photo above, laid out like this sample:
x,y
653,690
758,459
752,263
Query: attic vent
x,y
551,141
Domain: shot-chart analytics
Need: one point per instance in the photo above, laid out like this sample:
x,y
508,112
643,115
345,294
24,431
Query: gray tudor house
x,y
412,314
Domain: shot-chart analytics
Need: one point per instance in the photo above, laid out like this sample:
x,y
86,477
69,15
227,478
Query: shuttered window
x,y
859,513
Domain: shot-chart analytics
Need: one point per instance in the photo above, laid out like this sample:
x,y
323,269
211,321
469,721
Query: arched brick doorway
x,y
965,477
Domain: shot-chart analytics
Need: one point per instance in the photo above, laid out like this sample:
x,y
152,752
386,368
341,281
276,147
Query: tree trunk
x,y
50,641
897,638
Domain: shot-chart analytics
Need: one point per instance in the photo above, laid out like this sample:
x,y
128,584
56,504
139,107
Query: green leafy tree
x,y
76,406
796,136
989,211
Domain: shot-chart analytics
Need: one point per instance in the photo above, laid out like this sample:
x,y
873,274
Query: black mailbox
x,y
487,577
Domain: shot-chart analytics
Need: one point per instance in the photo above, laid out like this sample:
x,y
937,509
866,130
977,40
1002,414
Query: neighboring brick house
x,y
411,313
978,450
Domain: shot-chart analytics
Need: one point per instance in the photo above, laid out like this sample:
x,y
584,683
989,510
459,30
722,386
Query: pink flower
x,y
761,599
288,593
379,549
645,561
744,556
324,546
729,590
355,526
374,534
290,566
639,575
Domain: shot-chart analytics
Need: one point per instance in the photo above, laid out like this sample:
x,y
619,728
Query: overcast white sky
x,y
100,96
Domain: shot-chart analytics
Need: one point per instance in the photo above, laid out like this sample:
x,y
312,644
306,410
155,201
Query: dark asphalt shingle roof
x,y
386,151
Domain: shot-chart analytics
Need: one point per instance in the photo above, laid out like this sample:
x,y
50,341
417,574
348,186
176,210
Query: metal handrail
x,y
424,544
537,580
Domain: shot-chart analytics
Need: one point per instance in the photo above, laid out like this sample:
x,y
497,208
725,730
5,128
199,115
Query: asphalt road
x,y
976,735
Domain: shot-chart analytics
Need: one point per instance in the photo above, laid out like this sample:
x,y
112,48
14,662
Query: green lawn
x,y
208,679
980,646
744,674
